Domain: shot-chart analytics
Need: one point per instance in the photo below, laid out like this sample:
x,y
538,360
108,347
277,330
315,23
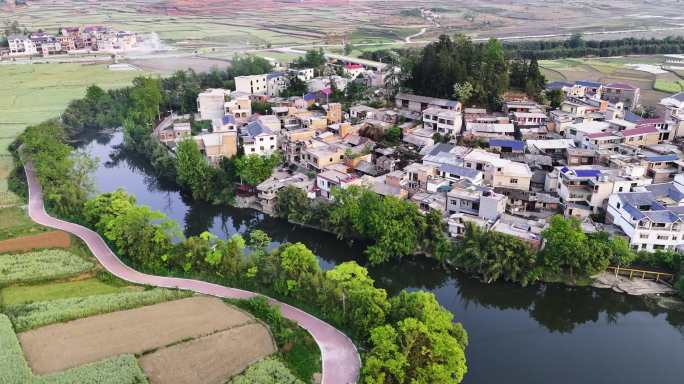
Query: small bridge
x,y
643,274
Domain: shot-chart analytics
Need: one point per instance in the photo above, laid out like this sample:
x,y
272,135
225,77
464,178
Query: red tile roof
x,y
641,129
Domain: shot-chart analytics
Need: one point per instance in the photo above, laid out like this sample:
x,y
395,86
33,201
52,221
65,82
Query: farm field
x,y
617,69
14,223
133,331
209,359
22,294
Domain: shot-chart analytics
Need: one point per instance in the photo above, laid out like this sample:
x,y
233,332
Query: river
x,y
545,333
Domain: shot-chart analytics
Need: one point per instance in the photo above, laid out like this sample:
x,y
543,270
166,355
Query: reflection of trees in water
x,y
556,307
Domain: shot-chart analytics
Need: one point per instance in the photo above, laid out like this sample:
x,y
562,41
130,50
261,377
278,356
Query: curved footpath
x,y
341,362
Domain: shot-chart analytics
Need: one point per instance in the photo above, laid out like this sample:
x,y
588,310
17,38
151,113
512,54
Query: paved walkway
x,y
341,361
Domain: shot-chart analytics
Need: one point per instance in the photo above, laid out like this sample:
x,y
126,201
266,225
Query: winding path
x,y
341,362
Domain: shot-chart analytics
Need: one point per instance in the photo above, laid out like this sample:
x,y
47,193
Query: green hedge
x,y
267,371
33,315
40,266
122,369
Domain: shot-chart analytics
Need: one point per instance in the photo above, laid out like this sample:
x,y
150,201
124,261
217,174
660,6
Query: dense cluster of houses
x,y
70,40
506,171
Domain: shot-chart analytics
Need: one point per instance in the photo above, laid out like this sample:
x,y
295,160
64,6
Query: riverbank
x,y
635,287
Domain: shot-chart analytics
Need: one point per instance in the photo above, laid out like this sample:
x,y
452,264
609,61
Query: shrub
x,y
33,315
267,371
123,369
40,266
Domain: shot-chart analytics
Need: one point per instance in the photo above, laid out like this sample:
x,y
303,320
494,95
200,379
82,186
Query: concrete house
x,y
257,139
210,103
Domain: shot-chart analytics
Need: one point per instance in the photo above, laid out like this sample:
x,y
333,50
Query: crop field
x,y
615,69
24,294
40,266
122,369
198,339
210,359
38,314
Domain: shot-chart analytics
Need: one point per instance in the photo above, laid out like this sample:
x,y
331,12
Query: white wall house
x,y
210,103
254,84
649,224
257,139
443,121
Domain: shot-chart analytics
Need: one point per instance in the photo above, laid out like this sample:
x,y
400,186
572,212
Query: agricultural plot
x,y
210,359
14,223
23,294
122,369
40,266
197,339
34,315
43,240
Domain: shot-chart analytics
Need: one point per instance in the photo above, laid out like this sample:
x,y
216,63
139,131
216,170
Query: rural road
x,y
341,362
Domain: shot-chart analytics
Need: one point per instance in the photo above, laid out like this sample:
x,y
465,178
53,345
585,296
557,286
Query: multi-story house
x,y
585,190
621,93
332,178
443,121
499,172
217,145
652,218
674,109
416,103
257,139
239,106
253,85
21,45
210,103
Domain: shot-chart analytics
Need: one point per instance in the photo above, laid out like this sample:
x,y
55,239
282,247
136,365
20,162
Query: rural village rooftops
x,y
428,100
515,145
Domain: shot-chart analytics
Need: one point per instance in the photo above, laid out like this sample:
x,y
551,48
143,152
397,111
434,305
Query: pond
x,y
546,333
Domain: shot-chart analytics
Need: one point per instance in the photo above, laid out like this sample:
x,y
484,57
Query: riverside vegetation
x,y
392,333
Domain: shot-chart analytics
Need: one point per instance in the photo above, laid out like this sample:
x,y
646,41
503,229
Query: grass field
x,y
669,86
14,223
23,294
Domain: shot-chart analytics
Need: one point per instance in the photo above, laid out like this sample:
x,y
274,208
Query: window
x,y
618,205
514,181
252,149
272,146
643,236
661,237
261,148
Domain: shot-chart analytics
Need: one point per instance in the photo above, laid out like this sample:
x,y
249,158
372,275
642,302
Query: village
x,y
69,40
507,170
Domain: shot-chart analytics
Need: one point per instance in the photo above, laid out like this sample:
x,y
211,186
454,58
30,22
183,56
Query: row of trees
x,y
576,46
64,173
394,228
409,338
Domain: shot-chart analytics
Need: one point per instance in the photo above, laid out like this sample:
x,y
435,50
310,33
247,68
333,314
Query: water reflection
x,y
545,333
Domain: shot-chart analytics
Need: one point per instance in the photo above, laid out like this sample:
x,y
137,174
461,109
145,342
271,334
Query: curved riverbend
x,y
340,359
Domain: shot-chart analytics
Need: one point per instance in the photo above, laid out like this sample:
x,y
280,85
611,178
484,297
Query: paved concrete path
x,y
341,361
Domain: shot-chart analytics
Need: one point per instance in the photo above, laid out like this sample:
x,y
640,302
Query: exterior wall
x,y
263,145
505,181
645,236
255,85
210,105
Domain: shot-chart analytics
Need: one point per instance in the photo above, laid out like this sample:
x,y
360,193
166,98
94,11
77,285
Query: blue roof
x,y
589,84
636,214
441,147
275,74
228,119
587,172
459,171
256,128
632,117
670,157
661,216
564,169
514,144
310,96
557,85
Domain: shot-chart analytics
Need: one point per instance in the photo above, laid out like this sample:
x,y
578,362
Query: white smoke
x,y
149,43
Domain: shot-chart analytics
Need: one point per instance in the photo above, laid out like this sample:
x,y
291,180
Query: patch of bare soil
x,y
52,239
210,359
57,347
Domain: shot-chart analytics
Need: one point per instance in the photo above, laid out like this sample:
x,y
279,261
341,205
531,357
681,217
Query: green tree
x,y
194,173
555,97
254,169
463,92
293,205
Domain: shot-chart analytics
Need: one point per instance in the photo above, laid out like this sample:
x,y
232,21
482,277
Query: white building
x,y
443,121
652,218
21,45
210,103
257,139
253,85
